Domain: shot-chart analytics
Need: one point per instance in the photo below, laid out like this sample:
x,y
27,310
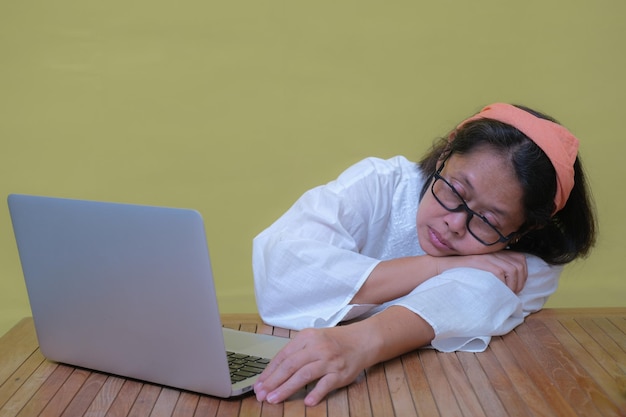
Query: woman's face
x,y
486,182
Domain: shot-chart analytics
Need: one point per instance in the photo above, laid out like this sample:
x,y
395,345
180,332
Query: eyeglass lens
x,y
449,199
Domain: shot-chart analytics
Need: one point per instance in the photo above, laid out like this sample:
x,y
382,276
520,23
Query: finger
x,y
524,275
515,280
510,281
276,361
297,381
513,271
270,377
298,344
517,273
323,387
292,372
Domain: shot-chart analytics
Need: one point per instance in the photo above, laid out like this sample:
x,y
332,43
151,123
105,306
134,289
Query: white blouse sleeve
x,y
467,306
308,264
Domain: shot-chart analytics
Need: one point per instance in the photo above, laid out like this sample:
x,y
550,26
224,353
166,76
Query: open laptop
x,y
128,290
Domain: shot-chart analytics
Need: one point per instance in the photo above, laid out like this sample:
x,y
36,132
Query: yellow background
x,y
235,108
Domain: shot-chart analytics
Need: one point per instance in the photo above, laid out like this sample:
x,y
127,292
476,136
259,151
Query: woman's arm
x,y
395,278
335,356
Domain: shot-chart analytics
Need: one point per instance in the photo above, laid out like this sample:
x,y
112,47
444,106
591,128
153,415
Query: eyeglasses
x,y
477,225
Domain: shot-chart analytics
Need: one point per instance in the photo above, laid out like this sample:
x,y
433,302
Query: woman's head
x,y
556,224
464,211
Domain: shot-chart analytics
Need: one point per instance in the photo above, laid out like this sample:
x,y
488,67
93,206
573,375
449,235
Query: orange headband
x,y
555,140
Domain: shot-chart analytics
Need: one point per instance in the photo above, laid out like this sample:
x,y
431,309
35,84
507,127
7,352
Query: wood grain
x,y
560,362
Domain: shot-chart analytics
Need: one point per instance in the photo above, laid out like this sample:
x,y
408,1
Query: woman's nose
x,y
457,222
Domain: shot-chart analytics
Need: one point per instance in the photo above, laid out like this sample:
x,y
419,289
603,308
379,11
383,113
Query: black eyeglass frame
x,y
464,207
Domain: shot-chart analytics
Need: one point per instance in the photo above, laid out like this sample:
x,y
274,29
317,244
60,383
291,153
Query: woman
x,y
447,252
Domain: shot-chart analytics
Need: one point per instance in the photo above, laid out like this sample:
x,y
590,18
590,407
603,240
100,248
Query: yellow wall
x,y
236,108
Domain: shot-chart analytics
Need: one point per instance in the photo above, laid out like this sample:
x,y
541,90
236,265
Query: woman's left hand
x,y
333,357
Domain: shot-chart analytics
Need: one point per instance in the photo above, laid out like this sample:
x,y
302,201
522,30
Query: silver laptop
x,y
128,290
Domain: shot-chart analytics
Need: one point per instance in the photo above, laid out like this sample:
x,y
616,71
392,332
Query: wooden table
x,y
560,362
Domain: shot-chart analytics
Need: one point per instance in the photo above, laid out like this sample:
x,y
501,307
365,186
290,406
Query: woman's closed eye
x,y
460,192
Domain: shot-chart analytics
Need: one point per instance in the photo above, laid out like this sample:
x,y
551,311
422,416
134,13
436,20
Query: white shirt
x,y
311,262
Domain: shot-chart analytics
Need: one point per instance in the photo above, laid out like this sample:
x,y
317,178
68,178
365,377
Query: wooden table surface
x,y
560,362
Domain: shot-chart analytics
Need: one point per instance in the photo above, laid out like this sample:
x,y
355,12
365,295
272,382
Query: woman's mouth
x,y
438,241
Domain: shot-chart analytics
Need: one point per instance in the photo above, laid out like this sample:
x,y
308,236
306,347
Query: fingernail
x,y
258,390
272,398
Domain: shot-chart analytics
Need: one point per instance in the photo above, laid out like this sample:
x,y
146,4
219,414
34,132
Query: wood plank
x,y
20,376
25,393
358,398
618,335
248,327
250,406
420,390
66,393
319,410
165,403
186,405
575,384
144,403
46,391
378,391
294,405
16,346
461,387
207,407
527,358
228,407
620,323
282,332
337,404
616,354
271,410
103,400
597,347
584,358
556,356
85,396
399,389
502,385
481,384
125,398
264,329
577,311
439,384
231,325
516,372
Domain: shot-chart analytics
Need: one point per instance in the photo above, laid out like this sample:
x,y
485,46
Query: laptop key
x,y
243,366
258,366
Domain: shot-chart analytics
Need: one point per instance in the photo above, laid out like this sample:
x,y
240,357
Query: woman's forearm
x,y
393,332
395,278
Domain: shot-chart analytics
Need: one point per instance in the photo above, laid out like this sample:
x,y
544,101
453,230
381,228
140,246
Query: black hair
x,y
557,239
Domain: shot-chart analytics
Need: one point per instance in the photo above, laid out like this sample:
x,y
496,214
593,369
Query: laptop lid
x,y
127,289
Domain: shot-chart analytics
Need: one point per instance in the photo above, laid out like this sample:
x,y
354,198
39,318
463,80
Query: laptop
x,y
128,290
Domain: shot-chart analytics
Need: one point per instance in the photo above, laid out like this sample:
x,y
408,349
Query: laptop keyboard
x,y
244,366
